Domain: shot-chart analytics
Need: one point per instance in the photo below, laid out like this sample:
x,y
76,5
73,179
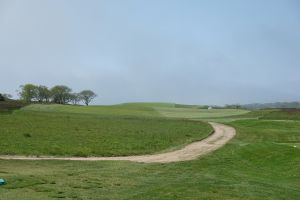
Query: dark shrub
x,y
2,97
28,135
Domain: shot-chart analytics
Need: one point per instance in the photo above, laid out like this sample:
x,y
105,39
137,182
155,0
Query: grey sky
x,y
197,52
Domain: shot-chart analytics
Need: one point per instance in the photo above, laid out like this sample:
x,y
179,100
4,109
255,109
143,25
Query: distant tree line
x,y
4,97
233,106
272,105
59,94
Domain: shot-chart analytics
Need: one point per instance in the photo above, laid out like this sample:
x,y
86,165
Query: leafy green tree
x,y
4,97
61,94
28,92
42,93
75,98
87,96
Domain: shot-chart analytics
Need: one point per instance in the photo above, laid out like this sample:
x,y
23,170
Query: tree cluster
x,y
59,94
233,106
4,97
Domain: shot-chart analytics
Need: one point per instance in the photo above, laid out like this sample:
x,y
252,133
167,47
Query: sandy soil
x,y
220,137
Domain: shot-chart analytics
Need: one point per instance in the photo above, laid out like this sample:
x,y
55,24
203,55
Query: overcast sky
x,y
185,51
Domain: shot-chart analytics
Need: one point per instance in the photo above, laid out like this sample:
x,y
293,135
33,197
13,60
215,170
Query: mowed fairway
x,y
261,162
196,113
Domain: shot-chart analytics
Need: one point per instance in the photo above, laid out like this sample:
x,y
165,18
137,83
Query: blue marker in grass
x,y
2,182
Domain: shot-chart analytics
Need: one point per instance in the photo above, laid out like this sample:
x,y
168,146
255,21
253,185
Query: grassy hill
x,y
196,113
95,130
116,110
166,110
284,114
261,162
272,105
268,114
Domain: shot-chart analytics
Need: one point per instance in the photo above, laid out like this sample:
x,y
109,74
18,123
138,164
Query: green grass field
x,y
166,110
80,131
255,165
283,114
122,110
196,113
261,162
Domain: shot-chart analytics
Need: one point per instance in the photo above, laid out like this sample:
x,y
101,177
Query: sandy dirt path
x,y
222,134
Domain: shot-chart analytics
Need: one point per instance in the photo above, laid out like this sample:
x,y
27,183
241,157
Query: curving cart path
x,y
222,134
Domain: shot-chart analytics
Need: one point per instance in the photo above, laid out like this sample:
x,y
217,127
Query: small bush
x,y
2,97
28,135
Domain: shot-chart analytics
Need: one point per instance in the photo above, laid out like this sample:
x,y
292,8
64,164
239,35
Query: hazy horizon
x,y
191,52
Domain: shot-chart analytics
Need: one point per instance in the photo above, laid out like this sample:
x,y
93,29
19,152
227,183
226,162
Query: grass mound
x,y
162,110
121,110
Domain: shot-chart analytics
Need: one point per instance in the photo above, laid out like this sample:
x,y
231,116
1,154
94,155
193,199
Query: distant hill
x,y
283,114
272,105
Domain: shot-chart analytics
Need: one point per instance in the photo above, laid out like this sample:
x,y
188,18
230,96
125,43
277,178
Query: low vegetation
x,y
10,105
5,97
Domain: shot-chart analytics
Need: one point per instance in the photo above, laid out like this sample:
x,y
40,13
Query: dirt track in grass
x,y
222,134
